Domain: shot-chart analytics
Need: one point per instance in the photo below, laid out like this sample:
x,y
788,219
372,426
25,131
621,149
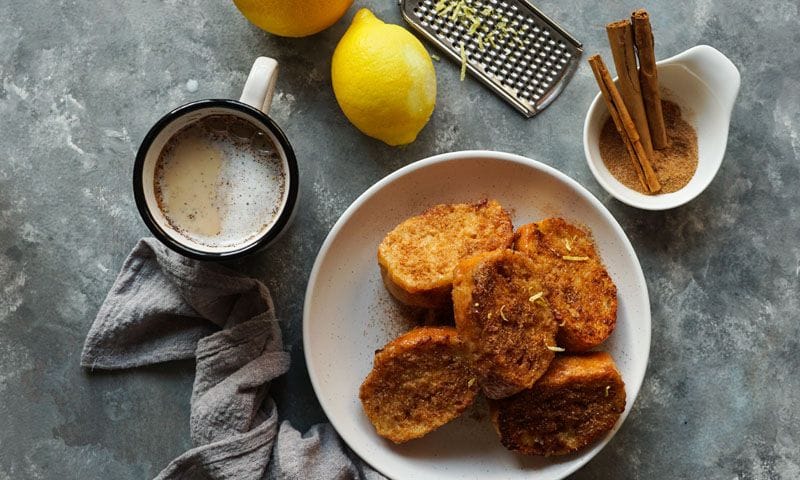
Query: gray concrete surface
x,y
82,81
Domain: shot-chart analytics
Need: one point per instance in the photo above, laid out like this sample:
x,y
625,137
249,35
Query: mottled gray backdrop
x,y
83,80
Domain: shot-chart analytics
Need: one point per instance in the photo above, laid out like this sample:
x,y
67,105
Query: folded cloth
x,y
165,307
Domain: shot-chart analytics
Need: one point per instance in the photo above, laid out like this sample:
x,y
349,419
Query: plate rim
x,y
473,154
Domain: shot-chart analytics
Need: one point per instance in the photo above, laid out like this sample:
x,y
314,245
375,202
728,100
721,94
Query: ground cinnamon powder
x,y
674,165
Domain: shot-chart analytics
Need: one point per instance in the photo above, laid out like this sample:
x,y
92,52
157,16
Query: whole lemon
x,y
293,18
383,79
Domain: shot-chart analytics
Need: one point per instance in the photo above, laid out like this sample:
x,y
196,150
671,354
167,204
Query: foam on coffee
x,y
220,181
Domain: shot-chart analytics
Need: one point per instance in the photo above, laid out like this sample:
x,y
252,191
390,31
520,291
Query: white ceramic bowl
x,y
704,82
348,313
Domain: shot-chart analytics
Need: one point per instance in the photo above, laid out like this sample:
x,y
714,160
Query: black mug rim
x,y
146,214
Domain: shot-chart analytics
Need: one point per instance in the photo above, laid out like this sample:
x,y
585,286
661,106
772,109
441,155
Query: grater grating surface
x,y
528,68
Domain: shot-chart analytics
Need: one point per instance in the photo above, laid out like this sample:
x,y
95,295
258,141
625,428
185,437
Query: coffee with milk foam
x,y
220,181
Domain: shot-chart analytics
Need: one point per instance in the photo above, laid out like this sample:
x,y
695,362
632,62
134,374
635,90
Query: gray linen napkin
x,y
165,307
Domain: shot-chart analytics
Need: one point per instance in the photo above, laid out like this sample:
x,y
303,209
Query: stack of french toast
x,y
529,307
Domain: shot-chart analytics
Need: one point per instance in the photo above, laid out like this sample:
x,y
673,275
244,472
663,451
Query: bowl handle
x,y
715,69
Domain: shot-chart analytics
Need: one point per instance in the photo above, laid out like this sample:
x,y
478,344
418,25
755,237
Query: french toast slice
x,y
418,256
580,291
502,318
419,381
578,400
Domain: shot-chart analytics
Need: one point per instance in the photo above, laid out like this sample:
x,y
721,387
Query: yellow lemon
x,y
293,18
383,79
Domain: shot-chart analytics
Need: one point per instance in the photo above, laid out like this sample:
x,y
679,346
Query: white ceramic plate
x,y
348,314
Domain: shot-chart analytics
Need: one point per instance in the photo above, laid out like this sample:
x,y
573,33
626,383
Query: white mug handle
x,y
260,84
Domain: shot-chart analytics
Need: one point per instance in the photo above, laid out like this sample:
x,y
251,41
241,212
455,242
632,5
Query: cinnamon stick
x,y
620,37
648,78
625,126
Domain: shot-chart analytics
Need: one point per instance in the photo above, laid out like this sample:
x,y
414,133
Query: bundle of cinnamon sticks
x,y
635,106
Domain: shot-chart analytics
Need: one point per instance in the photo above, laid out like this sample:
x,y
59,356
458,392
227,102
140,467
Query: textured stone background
x,y
82,81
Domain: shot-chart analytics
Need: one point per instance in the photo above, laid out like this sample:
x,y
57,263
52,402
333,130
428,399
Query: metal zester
x,y
509,45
